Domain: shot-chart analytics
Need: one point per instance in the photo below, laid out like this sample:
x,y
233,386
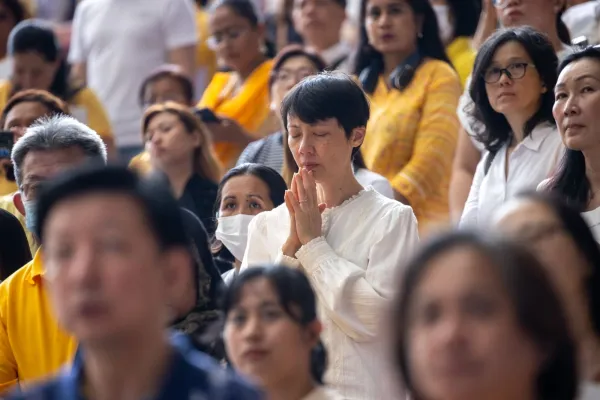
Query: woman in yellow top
x,y
239,97
37,64
457,21
206,59
412,132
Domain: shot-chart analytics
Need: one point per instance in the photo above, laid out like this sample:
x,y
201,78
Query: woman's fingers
x,y
301,193
288,202
294,202
312,184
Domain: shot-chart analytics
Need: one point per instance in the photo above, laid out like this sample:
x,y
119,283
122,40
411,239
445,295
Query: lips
x,y
255,354
387,37
310,166
506,94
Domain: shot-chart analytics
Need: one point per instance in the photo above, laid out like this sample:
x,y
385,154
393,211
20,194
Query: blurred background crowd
x,y
300,199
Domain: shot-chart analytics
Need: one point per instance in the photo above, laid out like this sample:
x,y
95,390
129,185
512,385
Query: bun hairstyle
x,y
296,297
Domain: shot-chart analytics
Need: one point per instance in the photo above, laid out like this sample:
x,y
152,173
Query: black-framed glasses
x,y
288,75
512,71
219,37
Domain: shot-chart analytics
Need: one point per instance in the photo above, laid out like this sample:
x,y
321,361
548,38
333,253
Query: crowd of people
x,y
300,199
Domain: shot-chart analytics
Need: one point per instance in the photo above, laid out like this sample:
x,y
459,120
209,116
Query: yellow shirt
x,y
6,203
248,106
462,56
32,345
411,137
84,106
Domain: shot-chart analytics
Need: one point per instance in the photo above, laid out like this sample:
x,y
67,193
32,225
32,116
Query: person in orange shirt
x,y
37,64
240,98
32,345
414,91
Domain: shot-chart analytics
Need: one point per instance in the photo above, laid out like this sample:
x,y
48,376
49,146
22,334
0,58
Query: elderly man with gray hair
x,y
32,345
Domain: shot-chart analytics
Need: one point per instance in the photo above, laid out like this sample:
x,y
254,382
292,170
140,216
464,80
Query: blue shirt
x,y
193,376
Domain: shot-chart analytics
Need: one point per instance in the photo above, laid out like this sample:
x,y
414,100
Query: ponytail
x,y
561,29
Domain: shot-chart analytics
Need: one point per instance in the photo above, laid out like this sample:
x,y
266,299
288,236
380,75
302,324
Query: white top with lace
x,y
354,269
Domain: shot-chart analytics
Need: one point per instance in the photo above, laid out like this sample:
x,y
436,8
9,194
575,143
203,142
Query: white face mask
x,y
443,17
233,233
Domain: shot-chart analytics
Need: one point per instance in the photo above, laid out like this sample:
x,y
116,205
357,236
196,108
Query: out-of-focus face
x,y
534,223
107,275
262,341
464,340
22,115
32,71
315,20
40,166
539,14
165,89
519,95
292,71
392,26
244,194
235,41
322,147
168,141
577,101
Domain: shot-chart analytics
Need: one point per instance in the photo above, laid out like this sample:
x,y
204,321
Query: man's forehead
x,y
47,163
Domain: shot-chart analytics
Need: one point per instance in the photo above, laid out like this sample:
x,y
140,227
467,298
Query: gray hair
x,y
57,132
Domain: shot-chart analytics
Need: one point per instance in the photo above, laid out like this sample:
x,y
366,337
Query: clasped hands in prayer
x,y
305,212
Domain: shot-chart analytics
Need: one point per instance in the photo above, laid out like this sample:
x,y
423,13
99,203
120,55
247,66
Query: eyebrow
x,y
254,195
511,60
580,78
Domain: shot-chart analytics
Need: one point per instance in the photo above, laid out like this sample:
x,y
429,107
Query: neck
x,y
592,170
336,191
517,125
244,73
321,44
294,388
179,175
392,60
127,370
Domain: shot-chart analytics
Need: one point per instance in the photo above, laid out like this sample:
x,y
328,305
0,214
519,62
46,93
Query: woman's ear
x,y
358,136
314,330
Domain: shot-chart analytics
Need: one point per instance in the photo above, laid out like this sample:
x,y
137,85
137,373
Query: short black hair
x,y
14,248
168,71
296,297
570,180
152,195
537,45
328,95
538,310
291,51
243,8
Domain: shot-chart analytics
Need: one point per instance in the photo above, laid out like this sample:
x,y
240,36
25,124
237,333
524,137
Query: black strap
x,y
488,161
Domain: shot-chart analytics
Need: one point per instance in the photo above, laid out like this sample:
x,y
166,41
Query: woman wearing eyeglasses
x,y
513,90
239,97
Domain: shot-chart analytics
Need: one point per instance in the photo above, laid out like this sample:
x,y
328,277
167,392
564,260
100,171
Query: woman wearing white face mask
x,y
244,192
457,22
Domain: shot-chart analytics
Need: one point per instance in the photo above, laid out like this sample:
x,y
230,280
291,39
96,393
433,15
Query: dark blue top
x,y
193,376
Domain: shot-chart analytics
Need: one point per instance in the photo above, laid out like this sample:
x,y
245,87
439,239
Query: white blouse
x,y
593,220
321,393
354,269
530,163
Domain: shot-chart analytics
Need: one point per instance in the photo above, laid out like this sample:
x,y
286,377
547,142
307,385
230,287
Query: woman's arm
x,y
463,170
355,297
469,215
434,144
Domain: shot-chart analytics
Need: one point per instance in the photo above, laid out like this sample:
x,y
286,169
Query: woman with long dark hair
x,y
513,81
272,333
561,240
578,121
402,65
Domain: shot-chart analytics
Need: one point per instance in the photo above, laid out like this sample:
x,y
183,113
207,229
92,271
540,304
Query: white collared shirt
x,y
354,269
532,161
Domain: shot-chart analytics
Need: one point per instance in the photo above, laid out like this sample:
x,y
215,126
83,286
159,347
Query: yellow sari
x,y
249,106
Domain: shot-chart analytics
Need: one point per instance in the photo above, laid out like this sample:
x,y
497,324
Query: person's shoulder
x,y
387,208
17,281
438,71
54,389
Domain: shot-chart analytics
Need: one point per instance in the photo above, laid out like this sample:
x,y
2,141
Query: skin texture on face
x,y
41,165
163,90
107,277
464,340
513,97
539,14
22,115
245,194
32,71
168,141
577,101
318,21
322,147
263,342
292,71
391,26
238,41
535,224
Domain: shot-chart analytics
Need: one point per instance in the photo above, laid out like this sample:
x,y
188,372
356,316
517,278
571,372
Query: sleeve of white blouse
x,y
355,297
469,215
